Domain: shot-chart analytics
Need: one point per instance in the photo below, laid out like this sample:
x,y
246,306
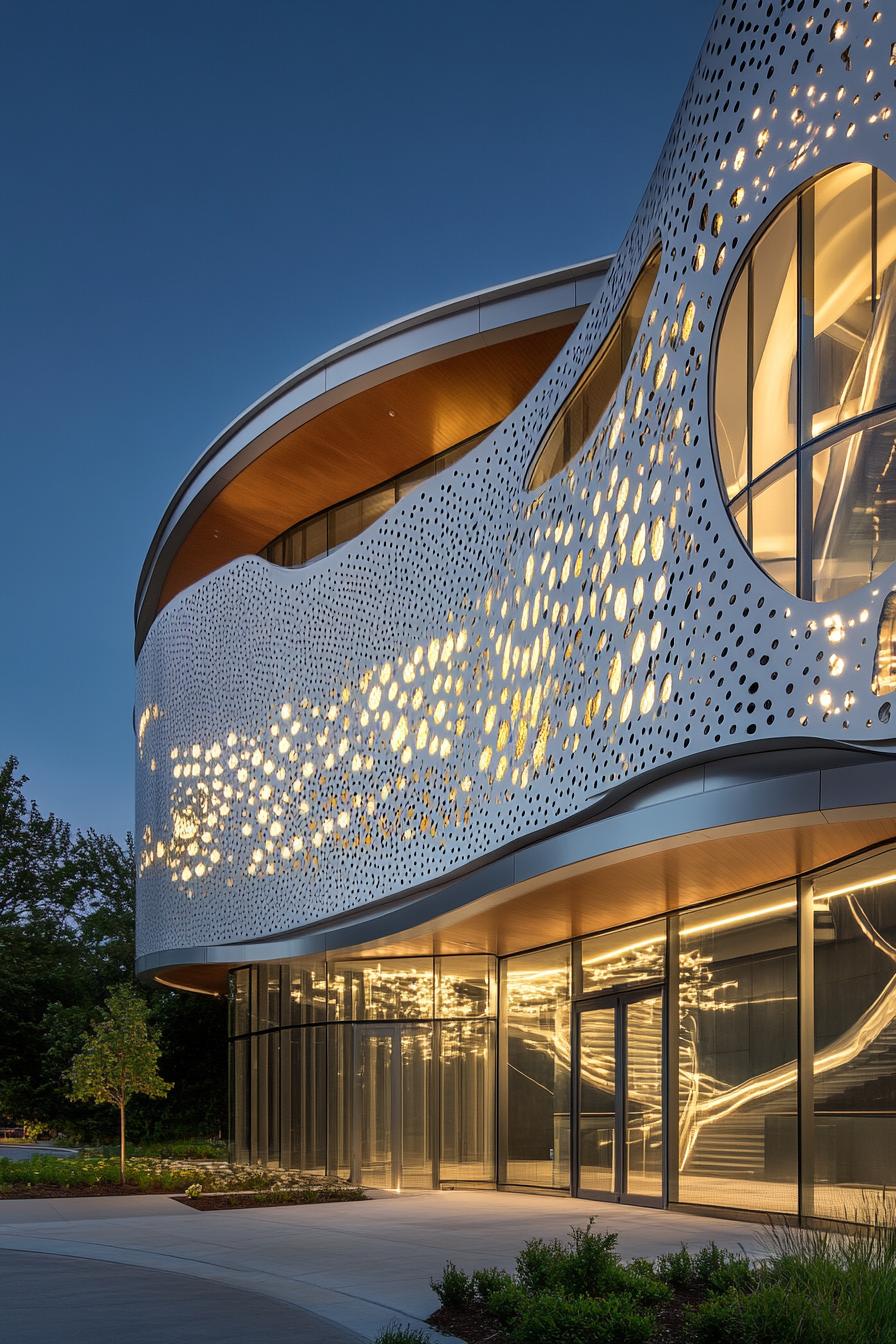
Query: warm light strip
x,y
190,989
696,928
621,951
777,909
856,886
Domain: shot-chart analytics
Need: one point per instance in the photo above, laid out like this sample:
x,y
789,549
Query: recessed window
x,y
805,388
579,415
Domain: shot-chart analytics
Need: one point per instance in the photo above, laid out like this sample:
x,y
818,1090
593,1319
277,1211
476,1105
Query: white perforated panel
x,y
485,662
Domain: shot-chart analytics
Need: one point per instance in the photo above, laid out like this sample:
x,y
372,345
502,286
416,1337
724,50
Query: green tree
x,y
99,886
119,1058
33,850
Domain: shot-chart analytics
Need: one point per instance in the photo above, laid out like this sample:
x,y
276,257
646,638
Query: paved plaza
x,y
353,1267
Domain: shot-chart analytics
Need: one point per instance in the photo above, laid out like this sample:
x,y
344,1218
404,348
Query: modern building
x,y
516,686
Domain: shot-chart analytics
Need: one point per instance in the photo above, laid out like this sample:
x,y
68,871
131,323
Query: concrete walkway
x,y
359,1266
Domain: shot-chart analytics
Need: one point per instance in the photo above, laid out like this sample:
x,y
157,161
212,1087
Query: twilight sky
x,y
200,197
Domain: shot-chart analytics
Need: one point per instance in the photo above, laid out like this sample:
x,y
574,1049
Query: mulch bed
x,y
73,1191
475,1326
268,1199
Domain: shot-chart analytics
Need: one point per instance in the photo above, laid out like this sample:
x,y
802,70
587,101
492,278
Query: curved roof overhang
x,y
358,415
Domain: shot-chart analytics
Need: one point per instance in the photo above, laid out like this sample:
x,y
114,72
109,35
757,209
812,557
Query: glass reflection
x,y
349,519
340,1099
737,1052
853,511
264,1100
624,957
377,991
266,998
239,1101
304,992
854,936
377,1068
774,297
416,1108
467,1101
842,282
731,389
303,1084
240,982
465,986
535,1000
597,386
644,1096
774,527
826,309
597,1100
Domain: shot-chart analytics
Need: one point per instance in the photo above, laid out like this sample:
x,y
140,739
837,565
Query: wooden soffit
x,y
364,440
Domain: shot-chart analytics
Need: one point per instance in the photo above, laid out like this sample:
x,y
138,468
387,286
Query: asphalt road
x,y
62,1298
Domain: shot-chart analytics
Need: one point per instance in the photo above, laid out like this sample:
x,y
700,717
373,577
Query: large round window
x,y
805,387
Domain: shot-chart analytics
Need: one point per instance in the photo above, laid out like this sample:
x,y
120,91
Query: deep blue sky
x,y
198,198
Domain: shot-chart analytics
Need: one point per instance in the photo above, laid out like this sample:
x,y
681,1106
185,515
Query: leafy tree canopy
x,y
67,907
119,1058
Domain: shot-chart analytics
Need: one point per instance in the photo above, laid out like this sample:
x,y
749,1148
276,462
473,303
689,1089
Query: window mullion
x,y
805,386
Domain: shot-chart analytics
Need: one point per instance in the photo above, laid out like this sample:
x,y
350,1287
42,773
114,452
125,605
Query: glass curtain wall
x,y
381,1069
535,1031
805,386
736,1030
853,1083
595,389
780,1076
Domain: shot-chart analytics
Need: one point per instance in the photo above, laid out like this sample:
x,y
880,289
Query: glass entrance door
x,y
642,1104
392,1140
620,1097
597,1100
378,1104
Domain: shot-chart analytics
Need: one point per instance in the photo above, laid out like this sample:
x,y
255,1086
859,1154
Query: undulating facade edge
x,y
515,685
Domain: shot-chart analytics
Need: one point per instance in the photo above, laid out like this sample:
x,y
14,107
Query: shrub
x,y
489,1281
552,1319
643,1267
506,1304
590,1266
774,1314
709,1270
587,1266
454,1289
402,1334
539,1266
643,1289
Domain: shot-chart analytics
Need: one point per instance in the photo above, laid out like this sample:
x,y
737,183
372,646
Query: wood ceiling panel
x,y
622,888
357,444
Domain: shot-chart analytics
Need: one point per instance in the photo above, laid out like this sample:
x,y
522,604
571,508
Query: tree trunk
x,y
121,1133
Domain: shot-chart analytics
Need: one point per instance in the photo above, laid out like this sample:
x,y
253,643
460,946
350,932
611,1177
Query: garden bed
x,y
266,1199
48,1176
809,1288
26,1191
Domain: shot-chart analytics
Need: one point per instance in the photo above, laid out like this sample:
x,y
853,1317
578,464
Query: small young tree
x,y
119,1058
